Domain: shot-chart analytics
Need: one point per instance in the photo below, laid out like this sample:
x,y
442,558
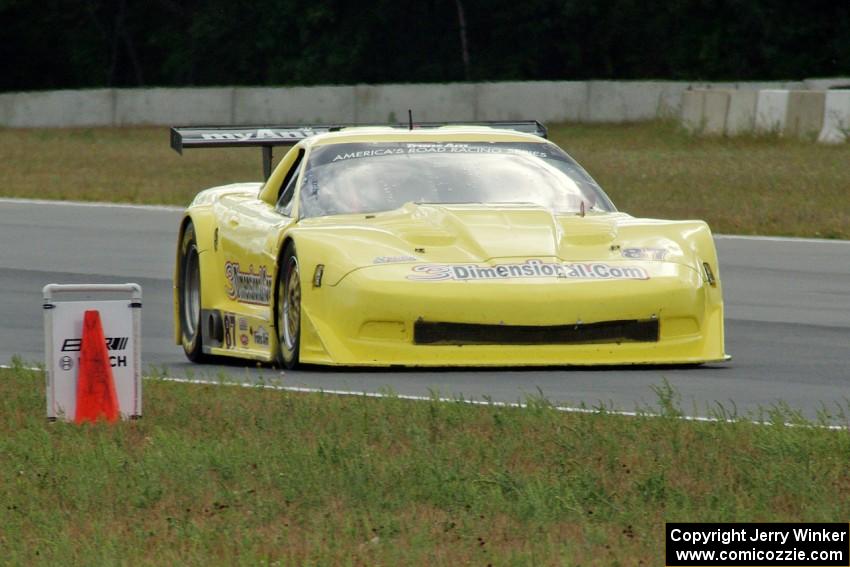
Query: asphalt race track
x,y
787,326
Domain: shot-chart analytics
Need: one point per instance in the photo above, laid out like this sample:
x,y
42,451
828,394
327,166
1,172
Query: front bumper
x,y
369,318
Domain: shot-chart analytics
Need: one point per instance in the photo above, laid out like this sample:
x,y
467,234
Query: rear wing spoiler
x,y
267,137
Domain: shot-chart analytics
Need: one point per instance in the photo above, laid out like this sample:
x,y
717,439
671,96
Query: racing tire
x,y
288,311
189,296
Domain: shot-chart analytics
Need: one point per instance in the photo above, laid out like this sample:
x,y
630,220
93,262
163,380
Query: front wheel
x,y
289,308
189,294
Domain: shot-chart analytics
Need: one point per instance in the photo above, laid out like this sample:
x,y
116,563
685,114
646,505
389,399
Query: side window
x,y
284,200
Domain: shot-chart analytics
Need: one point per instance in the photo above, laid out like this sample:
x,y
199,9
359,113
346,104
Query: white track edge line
x,y
409,397
98,204
22,201
519,405
780,239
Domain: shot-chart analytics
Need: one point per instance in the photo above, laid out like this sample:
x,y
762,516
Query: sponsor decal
x,y
260,134
438,148
527,269
248,287
368,153
112,343
66,363
644,253
229,330
244,340
261,337
393,259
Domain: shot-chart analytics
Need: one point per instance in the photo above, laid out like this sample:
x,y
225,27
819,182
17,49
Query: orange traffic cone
x,y
96,396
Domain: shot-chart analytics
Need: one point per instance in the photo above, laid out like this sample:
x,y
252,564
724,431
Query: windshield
x,y
382,176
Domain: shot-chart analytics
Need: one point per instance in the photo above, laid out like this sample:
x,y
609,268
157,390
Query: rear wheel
x,y
289,308
189,294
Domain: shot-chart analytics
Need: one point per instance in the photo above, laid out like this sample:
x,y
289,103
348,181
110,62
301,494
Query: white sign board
x,y
120,319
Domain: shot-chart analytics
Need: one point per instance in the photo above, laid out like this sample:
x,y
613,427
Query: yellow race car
x,y
434,245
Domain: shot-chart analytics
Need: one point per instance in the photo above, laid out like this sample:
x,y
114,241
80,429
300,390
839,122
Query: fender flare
x,y
202,220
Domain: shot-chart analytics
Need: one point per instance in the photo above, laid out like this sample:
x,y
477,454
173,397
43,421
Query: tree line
x,y
51,44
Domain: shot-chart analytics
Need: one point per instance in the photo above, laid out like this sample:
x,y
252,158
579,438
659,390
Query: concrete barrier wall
x,y
693,105
797,113
785,108
294,105
805,114
716,106
836,119
741,114
190,107
94,107
834,83
552,101
548,101
771,111
390,103
704,111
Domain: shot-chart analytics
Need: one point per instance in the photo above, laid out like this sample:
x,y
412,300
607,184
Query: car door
x,y
249,231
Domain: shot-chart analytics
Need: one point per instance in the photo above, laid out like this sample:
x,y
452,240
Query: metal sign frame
x,y
134,291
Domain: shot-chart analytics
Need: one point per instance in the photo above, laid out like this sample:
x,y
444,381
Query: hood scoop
x,y
480,232
587,230
424,236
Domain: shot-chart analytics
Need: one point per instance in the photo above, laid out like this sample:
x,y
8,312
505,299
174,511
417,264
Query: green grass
x,y
744,185
227,475
134,165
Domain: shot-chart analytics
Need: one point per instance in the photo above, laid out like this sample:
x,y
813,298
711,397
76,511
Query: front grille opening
x,y
629,331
